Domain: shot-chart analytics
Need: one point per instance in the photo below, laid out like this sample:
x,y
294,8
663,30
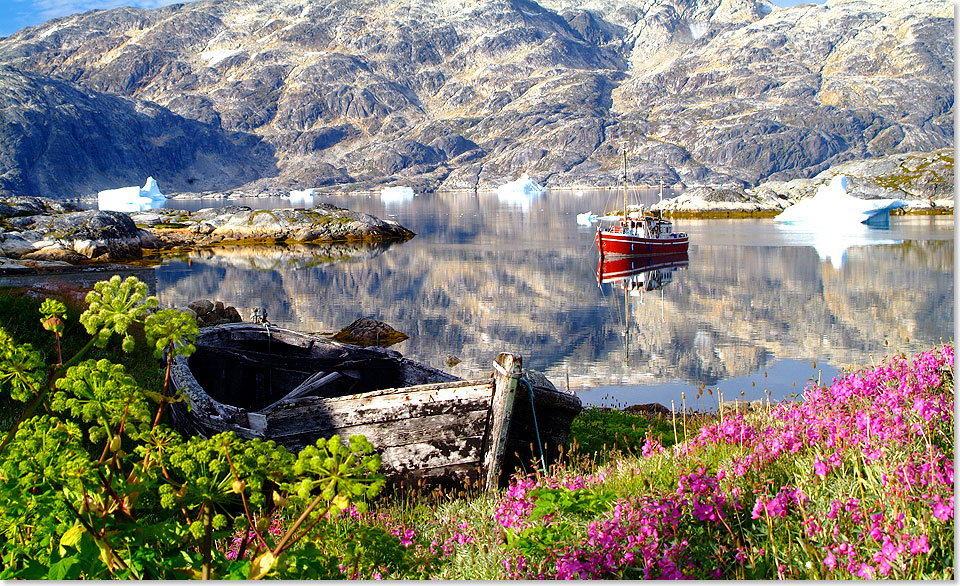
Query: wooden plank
x,y
340,412
447,427
506,374
433,454
314,382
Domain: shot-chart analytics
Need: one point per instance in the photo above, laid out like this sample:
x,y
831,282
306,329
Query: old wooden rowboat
x,y
431,428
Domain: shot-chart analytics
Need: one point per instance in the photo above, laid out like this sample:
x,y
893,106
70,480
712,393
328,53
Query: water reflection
x,y
832,242
483,277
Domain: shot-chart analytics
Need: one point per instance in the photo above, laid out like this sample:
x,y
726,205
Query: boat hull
x,y
612,243
432,429
619,268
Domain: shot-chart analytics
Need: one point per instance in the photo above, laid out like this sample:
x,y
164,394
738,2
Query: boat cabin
x,y
645,226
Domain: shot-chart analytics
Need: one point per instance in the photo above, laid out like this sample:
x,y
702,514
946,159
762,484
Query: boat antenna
x,y
660,207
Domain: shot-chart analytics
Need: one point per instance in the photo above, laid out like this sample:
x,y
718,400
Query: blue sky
x,y
17,14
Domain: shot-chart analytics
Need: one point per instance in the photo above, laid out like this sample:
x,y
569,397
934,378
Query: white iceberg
x,y
396,194
586,218
524,185
302,195
520,193
833,206
132,199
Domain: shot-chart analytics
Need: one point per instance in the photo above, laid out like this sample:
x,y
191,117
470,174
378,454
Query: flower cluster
x,y
855,480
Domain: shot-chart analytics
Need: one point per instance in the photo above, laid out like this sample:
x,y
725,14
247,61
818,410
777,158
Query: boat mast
x,y
624,145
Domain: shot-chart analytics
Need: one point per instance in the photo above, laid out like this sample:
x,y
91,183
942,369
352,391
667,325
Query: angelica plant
x,y
97,487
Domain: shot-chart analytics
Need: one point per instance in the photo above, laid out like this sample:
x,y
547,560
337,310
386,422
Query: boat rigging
x,y
638,233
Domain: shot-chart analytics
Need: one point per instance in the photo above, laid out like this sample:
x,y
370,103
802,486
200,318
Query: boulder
x,y
648,409
96,234
209,313
367,331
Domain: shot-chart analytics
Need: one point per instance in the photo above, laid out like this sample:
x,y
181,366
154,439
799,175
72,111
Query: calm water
x,y
755,308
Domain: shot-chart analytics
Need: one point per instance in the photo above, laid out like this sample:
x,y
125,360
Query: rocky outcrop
x,y
706,202
99,236
210,313
924,181
441,94
323,223
367,331
72,237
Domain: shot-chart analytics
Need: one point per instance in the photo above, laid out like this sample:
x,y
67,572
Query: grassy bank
x,y
855,480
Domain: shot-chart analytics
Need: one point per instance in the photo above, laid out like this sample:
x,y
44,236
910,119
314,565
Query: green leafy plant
x,y
53,312
172,332
98,487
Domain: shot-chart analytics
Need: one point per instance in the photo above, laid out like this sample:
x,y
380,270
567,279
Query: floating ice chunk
x,y
151,189
396,194
586,218
520,193
132,199
522,185
302,195
833,206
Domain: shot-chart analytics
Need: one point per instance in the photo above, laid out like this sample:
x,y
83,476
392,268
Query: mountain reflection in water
x,y
484,276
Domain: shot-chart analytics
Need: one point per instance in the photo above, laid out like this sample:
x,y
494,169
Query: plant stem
x,y
207,541
166,385
303,517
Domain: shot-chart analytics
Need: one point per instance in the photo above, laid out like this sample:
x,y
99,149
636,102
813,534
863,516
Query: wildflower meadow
x,y
852,480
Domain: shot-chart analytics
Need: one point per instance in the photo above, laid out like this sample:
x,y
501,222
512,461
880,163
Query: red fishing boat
x,y
641,272
639,232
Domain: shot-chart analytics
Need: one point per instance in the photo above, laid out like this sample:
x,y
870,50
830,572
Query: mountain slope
x,y
443,94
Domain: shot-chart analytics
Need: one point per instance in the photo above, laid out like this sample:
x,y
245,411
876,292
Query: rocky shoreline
x,y
38,235
923,180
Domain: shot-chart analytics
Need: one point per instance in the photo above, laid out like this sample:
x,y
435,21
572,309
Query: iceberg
x,y
523,185
302,195
586,218
396,194
132,199
832,206
520,193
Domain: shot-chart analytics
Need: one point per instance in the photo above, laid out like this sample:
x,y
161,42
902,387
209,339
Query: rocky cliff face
x,y
273,94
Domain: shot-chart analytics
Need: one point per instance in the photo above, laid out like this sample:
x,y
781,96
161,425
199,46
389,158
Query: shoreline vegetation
x,y
853,480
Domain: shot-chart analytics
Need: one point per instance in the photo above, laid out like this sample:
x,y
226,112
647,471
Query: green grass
x,y
610,433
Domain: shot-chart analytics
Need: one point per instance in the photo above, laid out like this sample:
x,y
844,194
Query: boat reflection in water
x,y
641,273
636,274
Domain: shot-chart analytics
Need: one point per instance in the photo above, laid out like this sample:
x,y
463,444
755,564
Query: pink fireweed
x,y
860,471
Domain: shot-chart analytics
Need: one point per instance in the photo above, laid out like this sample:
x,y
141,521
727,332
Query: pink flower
x,y
819,467
919,545
830,561
942,510
865,571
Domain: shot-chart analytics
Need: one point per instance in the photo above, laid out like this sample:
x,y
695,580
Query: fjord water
x,y
760,307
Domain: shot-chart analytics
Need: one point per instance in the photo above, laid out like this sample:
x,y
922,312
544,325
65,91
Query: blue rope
x,y
536,429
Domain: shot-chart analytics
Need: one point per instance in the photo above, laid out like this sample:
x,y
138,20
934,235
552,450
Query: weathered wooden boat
x,y
639,232
430,427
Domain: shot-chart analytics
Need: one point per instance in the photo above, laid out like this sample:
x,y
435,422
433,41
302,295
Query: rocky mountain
x,y
265,95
